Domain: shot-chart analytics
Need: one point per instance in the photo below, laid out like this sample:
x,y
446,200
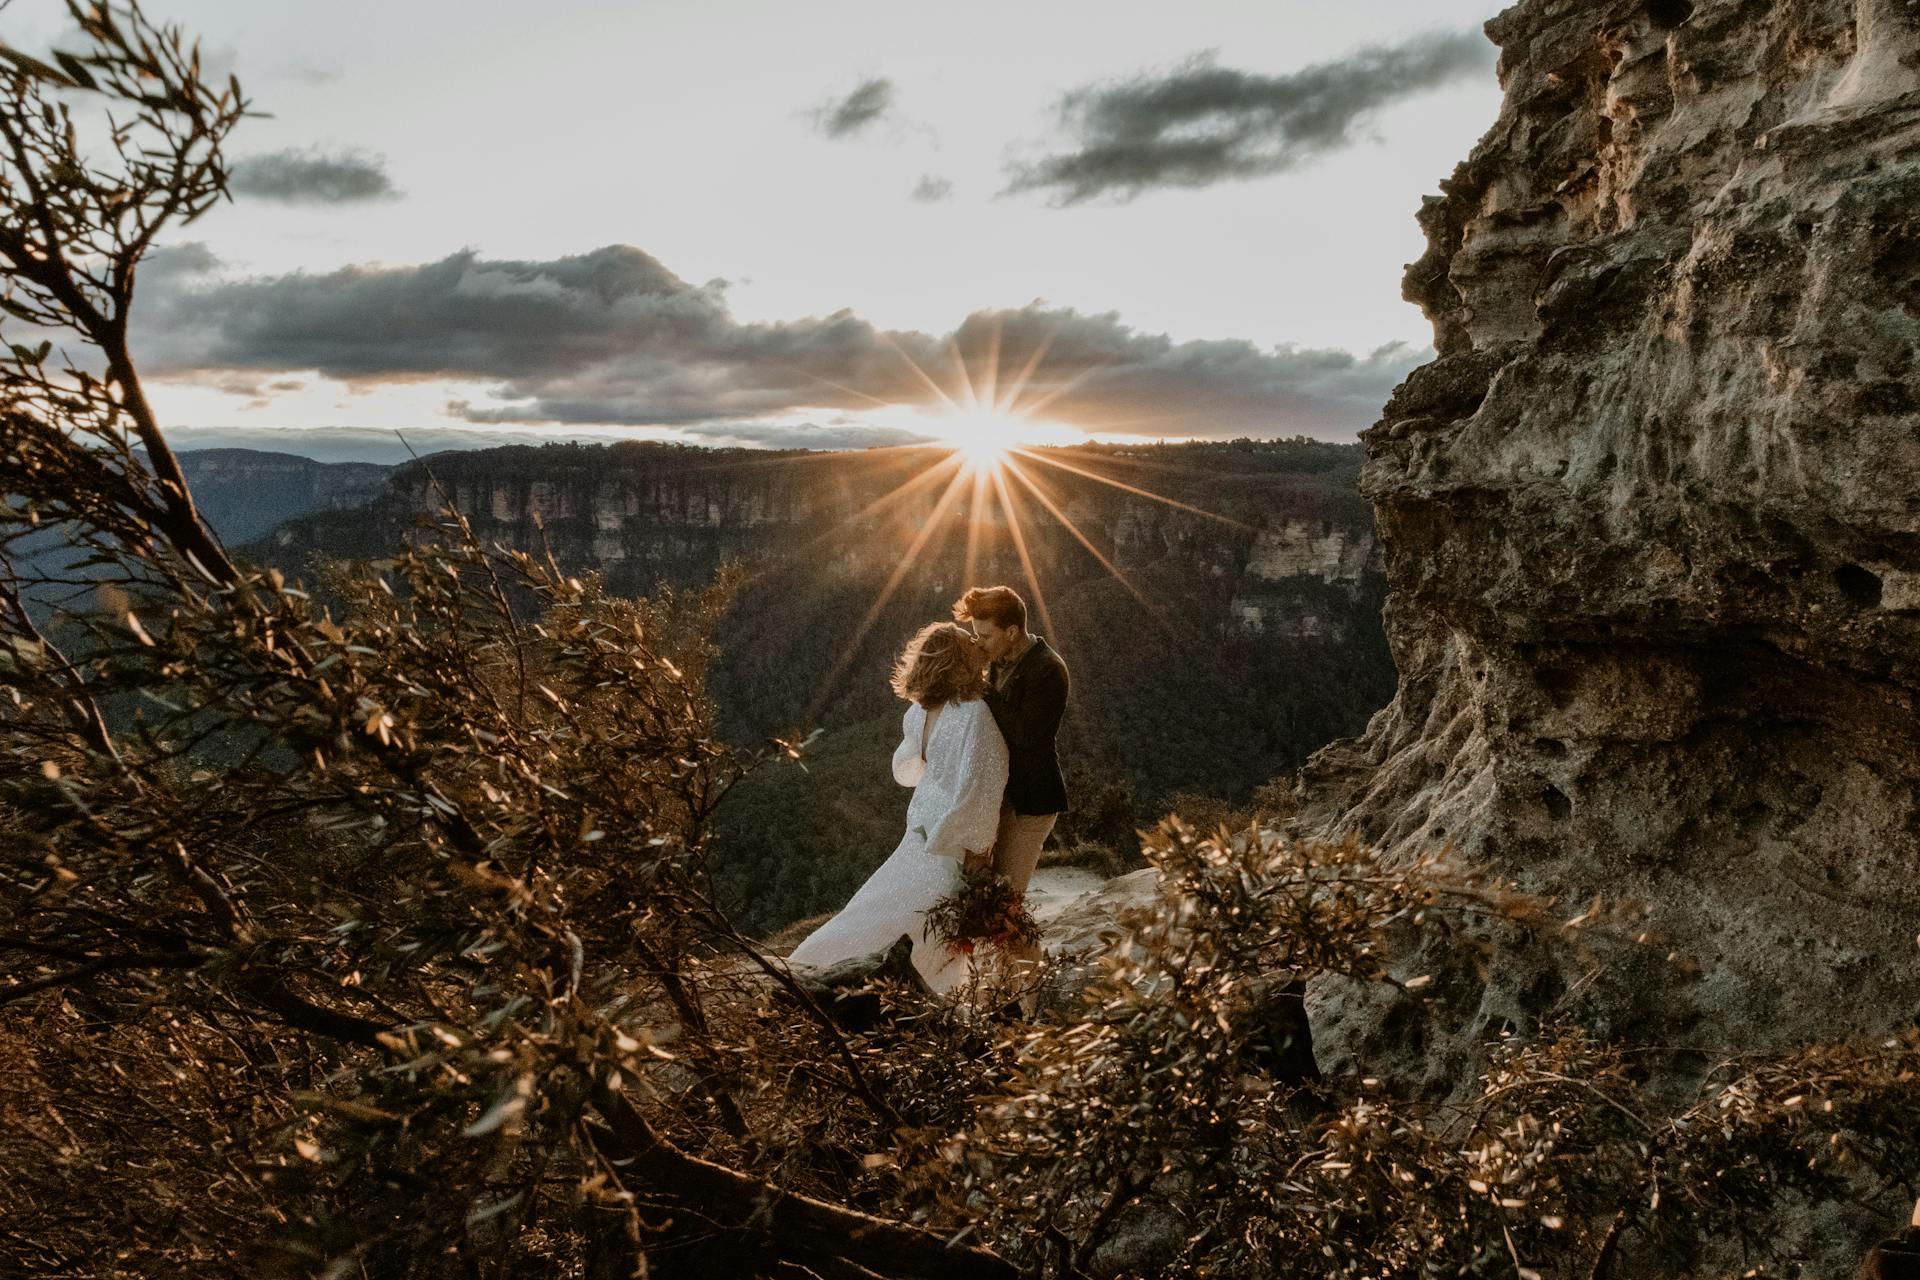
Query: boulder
x,y
1651,520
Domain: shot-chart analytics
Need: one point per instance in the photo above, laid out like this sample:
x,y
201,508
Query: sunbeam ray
x,y
922,374
1153,609
788,457
899,493
837,386
1033,362
1020,548
900,571
969,396
1159,468
976,524
993,368
1071,384
1133,489
1049,486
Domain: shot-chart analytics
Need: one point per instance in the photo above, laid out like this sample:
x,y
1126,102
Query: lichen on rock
x,y
1651,519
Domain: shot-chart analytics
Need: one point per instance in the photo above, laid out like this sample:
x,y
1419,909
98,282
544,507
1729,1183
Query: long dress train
x,y
955,808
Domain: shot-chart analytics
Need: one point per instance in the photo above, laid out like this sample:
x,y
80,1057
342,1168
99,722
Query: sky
x,y
829,225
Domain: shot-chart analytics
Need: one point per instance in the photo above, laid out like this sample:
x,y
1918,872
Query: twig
x,y
82,709
130,960
780,974
802,1229
1608,1246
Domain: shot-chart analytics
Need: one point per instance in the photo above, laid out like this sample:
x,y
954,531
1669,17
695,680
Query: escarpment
x,y
1651,519
1262,517
1269,541
1227,593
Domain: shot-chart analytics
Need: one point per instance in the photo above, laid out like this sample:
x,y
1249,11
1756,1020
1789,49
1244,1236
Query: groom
x,y
1027,693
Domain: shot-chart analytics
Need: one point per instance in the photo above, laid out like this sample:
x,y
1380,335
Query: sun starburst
x,y
983,438
989,433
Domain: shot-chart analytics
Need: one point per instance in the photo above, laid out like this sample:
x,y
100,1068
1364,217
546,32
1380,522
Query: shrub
x,y
376,937
1173,1124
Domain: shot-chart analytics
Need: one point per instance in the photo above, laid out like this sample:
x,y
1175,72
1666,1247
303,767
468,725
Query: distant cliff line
x,y
644,511
1226,590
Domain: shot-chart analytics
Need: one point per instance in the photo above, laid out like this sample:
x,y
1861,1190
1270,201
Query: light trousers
x,y
1017,844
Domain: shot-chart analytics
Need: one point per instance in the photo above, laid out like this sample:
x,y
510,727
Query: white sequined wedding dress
x,y
957,790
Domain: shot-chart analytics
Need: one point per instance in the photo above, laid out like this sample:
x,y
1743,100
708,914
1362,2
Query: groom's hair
x,y
1002,606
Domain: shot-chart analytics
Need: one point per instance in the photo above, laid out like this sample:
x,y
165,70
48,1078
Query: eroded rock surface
x,y
1652,518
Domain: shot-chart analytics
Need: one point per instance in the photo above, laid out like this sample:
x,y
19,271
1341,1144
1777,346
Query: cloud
x,y
307,73
844,117
613,337
1202,124
931,189
312,177
169,262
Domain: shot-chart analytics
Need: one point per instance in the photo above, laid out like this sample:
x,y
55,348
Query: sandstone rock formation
x,y
1652,517
641,512
1286,554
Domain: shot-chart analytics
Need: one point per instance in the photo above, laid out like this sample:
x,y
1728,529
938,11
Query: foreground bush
x,y
374,937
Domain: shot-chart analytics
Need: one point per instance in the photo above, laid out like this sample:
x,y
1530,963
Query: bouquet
x,y
986,908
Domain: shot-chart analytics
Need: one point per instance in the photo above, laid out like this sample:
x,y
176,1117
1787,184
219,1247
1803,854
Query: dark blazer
x,y
1895,1259
1028,712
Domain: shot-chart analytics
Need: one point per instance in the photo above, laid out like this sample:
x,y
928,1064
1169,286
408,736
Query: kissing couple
x,y
985,698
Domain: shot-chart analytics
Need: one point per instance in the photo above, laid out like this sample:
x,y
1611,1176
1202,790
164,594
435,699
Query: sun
x,y
993,446
982,440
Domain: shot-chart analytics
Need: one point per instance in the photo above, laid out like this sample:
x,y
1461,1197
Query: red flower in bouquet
x,y
985,910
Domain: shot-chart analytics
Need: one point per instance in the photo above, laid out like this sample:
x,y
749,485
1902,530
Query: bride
x,y
953,756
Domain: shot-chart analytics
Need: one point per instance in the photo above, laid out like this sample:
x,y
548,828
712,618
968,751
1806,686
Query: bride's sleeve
x,y
969,826
908,767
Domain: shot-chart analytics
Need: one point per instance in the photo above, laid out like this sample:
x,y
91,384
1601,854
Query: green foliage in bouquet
x,y
986,910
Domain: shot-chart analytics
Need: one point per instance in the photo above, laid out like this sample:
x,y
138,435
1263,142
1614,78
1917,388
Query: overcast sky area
x,y
737,221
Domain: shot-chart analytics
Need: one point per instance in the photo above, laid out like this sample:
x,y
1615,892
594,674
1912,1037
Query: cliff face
x,y
1295,548
641,514
1286,555
244,493
1652,517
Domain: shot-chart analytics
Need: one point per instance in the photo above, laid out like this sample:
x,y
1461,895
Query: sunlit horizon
x,y
990,447
983,438
988,433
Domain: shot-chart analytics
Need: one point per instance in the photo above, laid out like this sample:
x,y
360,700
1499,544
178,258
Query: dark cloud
x,y
613,337
313,177
1204,124
172,261
1112,377
931,189
870,101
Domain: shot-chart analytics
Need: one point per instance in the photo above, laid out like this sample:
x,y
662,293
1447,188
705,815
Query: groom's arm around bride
x,y
1027,691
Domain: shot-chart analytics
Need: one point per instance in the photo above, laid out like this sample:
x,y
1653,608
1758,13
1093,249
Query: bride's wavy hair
x,y
938,667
